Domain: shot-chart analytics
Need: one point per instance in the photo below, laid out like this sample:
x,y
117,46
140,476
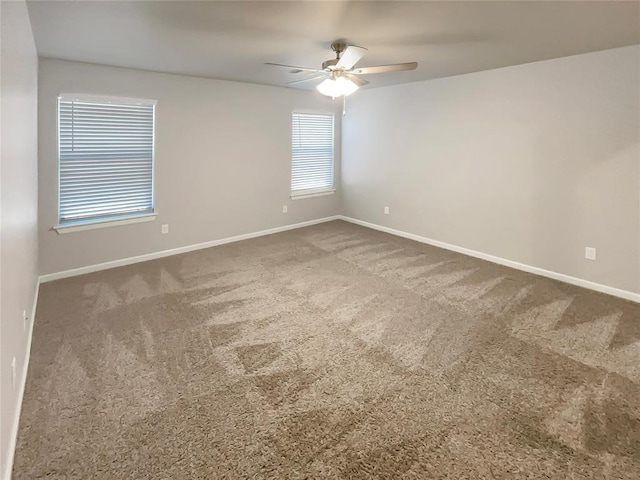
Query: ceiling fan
x,y
340,74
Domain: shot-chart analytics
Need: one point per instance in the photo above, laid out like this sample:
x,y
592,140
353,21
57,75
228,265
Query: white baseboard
x,y
616,292
21,386
176,251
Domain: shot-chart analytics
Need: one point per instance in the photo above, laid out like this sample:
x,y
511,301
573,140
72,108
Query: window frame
x,y
106,220
320,191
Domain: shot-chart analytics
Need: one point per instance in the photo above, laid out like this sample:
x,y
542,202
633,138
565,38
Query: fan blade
x,y
296,69
306,79
350,57
357,80
386,68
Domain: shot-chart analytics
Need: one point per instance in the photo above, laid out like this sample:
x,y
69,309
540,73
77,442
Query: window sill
x,y
77,227
299,196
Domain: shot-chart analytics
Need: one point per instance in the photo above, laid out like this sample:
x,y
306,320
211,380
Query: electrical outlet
x,y
165,228
285,208
386,210
24,320
13,372
590,253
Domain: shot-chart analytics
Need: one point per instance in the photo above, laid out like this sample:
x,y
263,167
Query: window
x,y
105,159
312,147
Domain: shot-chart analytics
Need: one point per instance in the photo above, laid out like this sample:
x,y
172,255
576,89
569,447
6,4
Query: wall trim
x,y
13,439
616,292
176,251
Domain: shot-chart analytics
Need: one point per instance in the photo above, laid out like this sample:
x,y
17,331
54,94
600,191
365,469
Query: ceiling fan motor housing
x,y
329,64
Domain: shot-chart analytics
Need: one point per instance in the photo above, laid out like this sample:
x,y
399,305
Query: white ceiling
x,y
232,40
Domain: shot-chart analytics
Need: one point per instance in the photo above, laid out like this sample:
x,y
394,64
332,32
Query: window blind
x,y
312,153
105,152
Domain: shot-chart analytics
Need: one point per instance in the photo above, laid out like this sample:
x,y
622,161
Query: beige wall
x,y
222,165
530,163
19,200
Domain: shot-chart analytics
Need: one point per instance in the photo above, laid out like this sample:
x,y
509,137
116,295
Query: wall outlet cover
x,y
285,209
386,210
165,228
590,253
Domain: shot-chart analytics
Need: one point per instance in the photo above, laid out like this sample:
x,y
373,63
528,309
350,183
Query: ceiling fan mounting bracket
x,y
338,47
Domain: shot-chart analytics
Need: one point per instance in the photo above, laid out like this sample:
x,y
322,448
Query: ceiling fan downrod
x,y
337,47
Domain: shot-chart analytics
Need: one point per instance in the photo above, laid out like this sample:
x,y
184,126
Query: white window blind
x,y
105,154
312,153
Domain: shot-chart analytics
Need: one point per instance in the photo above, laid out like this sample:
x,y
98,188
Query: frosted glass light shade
x,y
337,87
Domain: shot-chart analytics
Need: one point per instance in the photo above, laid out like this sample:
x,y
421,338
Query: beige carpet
x,y
330,352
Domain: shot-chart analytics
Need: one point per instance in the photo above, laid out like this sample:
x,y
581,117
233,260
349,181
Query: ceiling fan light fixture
x,y
337,87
